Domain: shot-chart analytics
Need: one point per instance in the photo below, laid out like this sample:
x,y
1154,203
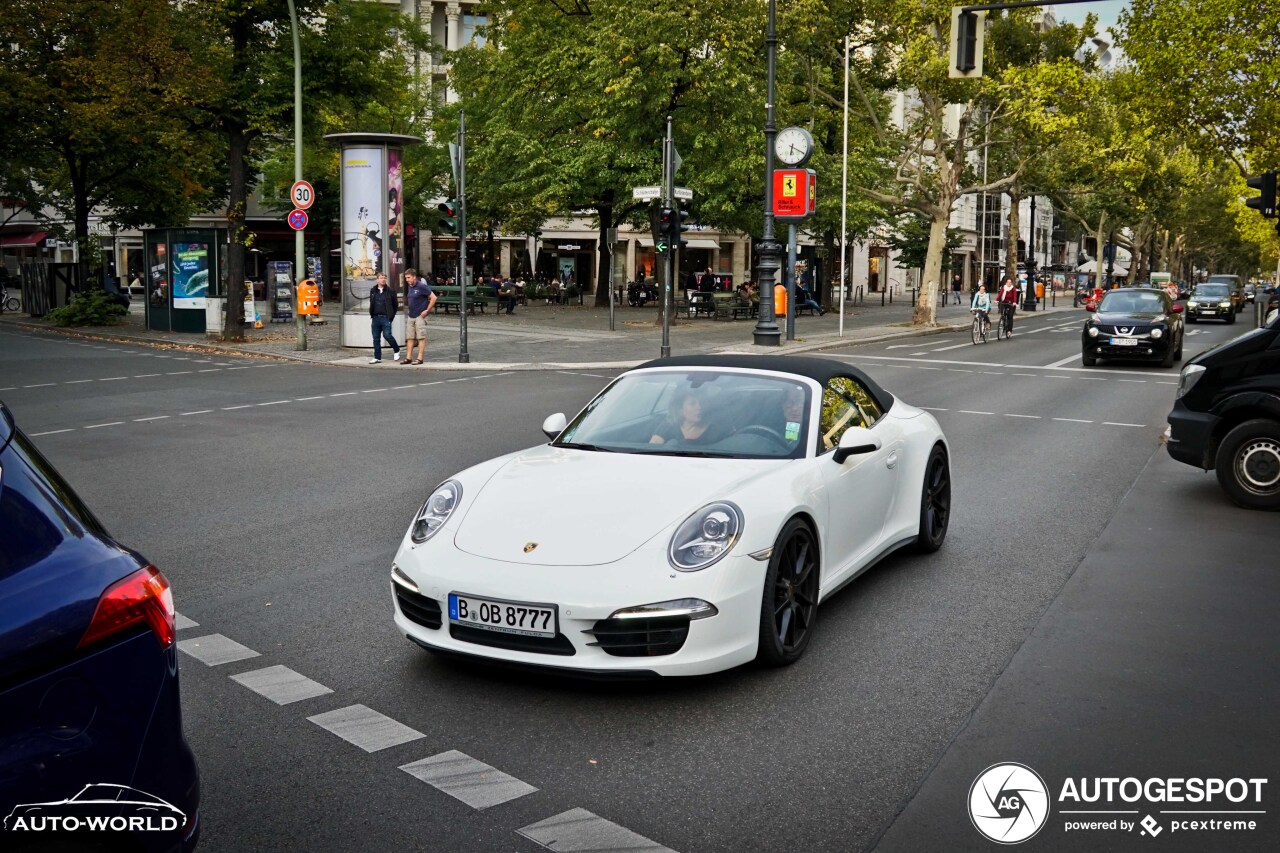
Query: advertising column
x,y
372,228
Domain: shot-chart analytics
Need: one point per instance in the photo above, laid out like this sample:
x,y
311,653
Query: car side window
x,y
846,403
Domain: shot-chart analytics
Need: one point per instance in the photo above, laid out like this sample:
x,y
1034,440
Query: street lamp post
x,y
1029,298
766,332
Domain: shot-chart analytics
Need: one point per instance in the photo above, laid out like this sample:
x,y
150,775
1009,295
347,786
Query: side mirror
x,y
555,424
854,441
1177,309
1090,307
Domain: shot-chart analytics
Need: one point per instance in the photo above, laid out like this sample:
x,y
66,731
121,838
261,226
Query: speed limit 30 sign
x,y
302,194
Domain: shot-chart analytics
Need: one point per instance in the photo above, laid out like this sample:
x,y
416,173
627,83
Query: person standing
x,y
956,284
382,310
1007,299
421,299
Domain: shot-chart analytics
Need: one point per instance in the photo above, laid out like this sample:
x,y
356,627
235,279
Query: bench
x,y
449,299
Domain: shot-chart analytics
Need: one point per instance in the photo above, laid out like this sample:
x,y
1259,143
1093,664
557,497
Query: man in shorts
x,y
421,299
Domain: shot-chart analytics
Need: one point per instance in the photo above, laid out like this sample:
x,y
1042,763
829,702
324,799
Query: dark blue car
x,y
88,675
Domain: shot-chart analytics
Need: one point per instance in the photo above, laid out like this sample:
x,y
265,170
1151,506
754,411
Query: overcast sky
x,y
1106,10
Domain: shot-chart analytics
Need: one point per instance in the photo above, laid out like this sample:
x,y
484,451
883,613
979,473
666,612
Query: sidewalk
x,y
550,337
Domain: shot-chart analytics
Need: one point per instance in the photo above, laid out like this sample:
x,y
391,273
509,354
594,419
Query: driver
x,y
689,422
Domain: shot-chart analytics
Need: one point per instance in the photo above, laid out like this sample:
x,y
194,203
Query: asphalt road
x,y
273,496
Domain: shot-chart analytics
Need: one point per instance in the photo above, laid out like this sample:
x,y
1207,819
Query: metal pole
x,y
1029,298
790,278
984,199
668,190
1111,256
844,187
609,277
299,246
464,357
766,332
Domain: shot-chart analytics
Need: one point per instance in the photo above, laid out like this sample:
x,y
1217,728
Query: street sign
x,y
297,219
683,193
302,194
646,193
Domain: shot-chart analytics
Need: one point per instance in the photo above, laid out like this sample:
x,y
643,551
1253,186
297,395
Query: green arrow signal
x,y
661,247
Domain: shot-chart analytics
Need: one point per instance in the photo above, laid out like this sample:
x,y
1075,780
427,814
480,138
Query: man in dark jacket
x,y
382,310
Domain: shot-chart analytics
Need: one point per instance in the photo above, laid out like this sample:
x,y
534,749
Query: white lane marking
x,y
273,403
1058,376
857,357
365,727
210,370
113,423
1116,423
233,408
303,399
1073,420
922,352
425,384
1011,415
201,412
42,385
70,382
933,409
113,378
1066,360
1166,383
401,387
344,394
907,365
145,375
972,412
953,346
180,622
901,346
463,379
372,390
464,778
215,650
245,367
281,684
52,432
580,830
178,373
1143,381
152,418
1028,375
994,372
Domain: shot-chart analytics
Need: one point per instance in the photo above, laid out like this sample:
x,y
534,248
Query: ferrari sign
x,y
794,193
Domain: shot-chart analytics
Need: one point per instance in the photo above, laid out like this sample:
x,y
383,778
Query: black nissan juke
x,y
1140,324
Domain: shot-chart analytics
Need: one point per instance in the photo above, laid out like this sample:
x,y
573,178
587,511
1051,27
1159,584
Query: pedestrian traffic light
x,y
1266,202
676,227
448,216
966,42
661,219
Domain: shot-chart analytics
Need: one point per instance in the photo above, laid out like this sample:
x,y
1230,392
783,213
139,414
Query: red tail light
x,y
143,596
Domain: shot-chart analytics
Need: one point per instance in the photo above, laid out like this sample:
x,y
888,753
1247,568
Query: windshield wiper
x,y
578,446
697,454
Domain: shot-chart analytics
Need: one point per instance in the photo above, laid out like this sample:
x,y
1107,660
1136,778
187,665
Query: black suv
x,y
1227,416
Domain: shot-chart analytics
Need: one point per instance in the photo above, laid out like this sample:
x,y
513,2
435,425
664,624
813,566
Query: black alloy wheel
x,y
790,602
1248,464
935,502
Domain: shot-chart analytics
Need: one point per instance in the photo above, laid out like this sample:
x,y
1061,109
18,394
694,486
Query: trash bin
x,y
780,300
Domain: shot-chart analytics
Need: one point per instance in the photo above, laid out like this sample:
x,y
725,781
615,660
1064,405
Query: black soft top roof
x,y
818,369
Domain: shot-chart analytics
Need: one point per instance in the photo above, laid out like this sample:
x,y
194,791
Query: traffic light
x,y
663,217
1266,202
448,216
967,30
678,227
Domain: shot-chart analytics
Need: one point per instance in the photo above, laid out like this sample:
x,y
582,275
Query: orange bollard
x,y
780,300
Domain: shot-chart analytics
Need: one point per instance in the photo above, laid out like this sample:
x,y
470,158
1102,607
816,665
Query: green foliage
x,y
92,307
911,240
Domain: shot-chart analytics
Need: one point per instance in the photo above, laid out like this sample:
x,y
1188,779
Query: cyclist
x,y
1008,299
981,303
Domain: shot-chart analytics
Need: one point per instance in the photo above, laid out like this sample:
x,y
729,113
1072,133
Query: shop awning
x,y
23,239
647,243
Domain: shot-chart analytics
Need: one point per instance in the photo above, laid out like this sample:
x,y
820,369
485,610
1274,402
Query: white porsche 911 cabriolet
x,y
717,500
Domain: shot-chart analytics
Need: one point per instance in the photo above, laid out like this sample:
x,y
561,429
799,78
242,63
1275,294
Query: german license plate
x,y
1208,310
507,617
1124,342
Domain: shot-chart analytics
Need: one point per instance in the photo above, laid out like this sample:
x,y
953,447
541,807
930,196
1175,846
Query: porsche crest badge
x,y
529,546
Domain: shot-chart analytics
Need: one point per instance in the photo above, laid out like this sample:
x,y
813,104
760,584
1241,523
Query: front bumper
x,y
1212,312
1146,348
1191,436
583,596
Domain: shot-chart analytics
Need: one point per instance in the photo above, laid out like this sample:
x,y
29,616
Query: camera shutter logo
x,y
1008,803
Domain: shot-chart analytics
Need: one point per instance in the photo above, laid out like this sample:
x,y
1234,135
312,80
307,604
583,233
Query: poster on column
x,y
363,222
190,274
395,223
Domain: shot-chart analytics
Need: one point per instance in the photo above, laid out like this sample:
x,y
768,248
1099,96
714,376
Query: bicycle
x,y
982,326
12,304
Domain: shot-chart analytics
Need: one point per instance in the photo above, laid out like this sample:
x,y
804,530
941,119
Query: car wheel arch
x,y
1235,411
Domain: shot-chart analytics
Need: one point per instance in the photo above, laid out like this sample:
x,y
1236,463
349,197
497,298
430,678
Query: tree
x,y
97,99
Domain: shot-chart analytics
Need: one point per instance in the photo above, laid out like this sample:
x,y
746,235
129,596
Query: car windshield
x,y
1127,302
696,413
1211,291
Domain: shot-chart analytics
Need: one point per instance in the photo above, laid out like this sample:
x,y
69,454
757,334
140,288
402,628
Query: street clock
x,y
793,146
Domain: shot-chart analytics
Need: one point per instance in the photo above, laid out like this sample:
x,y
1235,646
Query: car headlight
x,y
1157,334
1093,331
1193,304
705,537
1226,304
436,511
1189,377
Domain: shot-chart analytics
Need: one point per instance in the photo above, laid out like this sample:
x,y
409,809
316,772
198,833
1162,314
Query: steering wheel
x,y
767,432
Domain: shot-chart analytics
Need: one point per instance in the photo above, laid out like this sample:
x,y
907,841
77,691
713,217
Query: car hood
x,y
1129,319
585,508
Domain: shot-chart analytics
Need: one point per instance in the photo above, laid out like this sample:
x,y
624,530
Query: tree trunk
x,y
1015,234
80,194
605,211
237,147
926,310
1100,262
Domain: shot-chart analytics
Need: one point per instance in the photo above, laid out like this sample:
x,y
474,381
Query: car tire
x,y
1181,339
1231,319
789,602
1170,355
935,502
1191,318
1248,464
1088,360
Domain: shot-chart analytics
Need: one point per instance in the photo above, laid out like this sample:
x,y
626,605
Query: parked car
x,y
1211,302
1250,292
1226,417
1133,323
88,673
718,500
